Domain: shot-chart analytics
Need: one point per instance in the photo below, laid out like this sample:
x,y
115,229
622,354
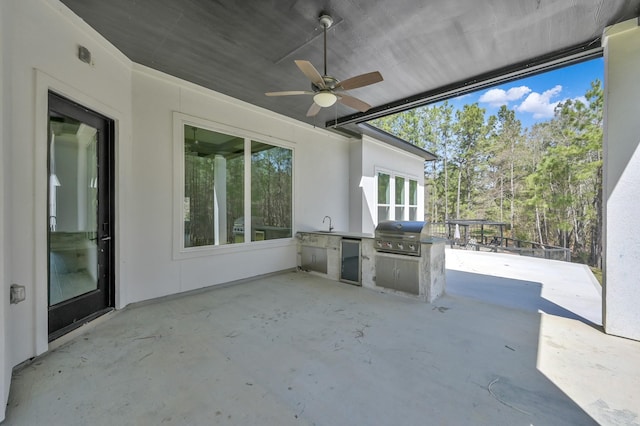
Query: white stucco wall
x,y
355,191
142,103
320,176
622,180
39,54
378,155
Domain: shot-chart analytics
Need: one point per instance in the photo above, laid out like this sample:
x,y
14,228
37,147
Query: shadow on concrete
x,y
508,292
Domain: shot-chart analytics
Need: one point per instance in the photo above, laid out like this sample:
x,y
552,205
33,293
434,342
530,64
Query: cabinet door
x,y
385,271
407,276
397,273
314,259
350,261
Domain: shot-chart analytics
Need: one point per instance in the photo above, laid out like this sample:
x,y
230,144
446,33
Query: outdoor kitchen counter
x,y
343,234
319,252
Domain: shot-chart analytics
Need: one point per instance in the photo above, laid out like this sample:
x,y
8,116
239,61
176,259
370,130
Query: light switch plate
x,y
17,293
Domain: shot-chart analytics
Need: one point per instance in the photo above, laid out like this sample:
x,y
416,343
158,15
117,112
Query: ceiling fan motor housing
x,y
330,83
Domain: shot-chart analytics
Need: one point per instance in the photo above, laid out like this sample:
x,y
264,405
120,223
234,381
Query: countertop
x,y
359,236
343,234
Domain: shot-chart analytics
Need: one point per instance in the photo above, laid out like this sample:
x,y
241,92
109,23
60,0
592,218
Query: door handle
x,y
107,238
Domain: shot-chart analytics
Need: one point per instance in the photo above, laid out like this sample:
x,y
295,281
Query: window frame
x,y
179,250
392,194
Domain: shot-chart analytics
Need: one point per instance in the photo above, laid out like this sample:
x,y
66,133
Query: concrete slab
x,y
299,349
537,285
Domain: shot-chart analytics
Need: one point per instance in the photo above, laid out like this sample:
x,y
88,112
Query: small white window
x,y
397,197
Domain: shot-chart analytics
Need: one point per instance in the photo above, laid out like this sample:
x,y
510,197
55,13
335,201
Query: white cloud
x,y
540,105
497,97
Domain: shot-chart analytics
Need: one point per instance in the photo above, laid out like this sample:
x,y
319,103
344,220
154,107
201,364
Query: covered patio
x,y
182,346
293,348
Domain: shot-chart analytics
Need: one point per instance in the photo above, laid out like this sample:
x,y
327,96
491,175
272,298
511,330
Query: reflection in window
x,y
384,196
400,198
213,187
413,200
271,192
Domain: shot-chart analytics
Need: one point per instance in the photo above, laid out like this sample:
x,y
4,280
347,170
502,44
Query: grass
x,y
597,272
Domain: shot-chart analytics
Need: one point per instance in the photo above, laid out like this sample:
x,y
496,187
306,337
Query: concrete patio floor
x,y
294,348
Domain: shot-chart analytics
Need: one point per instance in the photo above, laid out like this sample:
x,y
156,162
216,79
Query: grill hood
x,y
400,237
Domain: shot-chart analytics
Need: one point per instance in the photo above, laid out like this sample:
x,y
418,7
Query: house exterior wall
x,y
356,195
142,102
320,173
40,40
621,180
380,156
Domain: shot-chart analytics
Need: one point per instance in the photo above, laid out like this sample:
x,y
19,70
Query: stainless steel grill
x,y
399,237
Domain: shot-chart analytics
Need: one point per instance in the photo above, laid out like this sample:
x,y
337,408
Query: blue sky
x,y
533,98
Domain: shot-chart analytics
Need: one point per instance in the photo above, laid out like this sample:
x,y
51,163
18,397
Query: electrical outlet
x,y
17,293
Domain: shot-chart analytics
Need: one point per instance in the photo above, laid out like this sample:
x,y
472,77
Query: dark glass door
x,y
80,215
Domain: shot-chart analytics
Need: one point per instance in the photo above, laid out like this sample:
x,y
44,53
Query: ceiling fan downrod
x,y
326,21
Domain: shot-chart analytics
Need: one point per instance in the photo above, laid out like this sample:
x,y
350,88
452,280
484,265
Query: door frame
x,y
72,313
44,84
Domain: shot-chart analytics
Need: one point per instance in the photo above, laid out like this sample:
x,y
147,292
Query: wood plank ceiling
x,y
246,48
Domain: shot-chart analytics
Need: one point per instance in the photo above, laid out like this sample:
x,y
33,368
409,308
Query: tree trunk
x,y
539,228
458,197
513,190
545,225
596,233
501,199
446,186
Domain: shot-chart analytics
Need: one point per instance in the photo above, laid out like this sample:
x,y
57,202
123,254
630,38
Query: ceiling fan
x,y
328,90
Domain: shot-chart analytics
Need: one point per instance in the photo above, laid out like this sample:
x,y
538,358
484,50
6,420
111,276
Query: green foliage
x,y
545,182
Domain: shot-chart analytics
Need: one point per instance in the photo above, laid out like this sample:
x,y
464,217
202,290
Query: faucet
x,y
330,227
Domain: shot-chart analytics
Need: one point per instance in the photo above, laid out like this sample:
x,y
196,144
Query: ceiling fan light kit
x,y
325,99
328,90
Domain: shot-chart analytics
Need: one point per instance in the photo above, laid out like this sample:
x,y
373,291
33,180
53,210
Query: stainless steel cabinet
x,y
398,273
350,261
314,259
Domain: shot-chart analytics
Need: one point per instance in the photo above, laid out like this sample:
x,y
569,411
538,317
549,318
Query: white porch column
x,y
621,186
220,199
5,365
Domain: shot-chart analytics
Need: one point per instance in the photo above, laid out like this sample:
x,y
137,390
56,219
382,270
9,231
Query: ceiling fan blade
x,y
354,103
361,80
311,72
289,93
314,109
